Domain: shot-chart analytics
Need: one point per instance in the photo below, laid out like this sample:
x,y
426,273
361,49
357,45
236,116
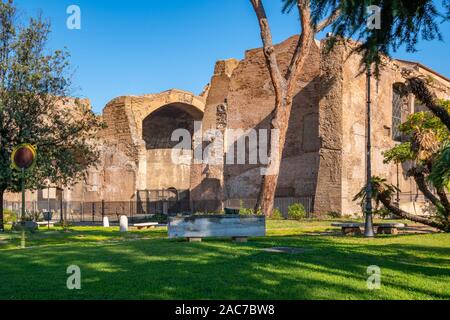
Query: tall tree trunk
x,y
2,224
266,197
284,87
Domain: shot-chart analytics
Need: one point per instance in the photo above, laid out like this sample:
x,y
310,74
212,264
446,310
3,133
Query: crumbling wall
x,y
126,163
328,189
250,102
207,180
354,129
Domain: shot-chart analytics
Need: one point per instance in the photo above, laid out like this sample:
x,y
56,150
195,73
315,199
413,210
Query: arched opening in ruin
x,y
157,130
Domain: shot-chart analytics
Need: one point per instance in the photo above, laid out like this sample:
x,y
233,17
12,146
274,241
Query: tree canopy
x,y
426,151
403,23
34,108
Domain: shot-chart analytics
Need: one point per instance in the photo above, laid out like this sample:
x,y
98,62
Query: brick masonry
x,y
324,155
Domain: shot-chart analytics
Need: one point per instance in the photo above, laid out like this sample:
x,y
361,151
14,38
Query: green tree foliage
x,y
380,188
427,153
425,134
277,215
34,84
403,23
399,154
440,174
384,192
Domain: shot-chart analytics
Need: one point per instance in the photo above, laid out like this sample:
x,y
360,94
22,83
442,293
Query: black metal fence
x,y
142,208
281,204
76,211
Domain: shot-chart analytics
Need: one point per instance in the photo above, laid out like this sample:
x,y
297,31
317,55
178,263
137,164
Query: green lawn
x,y
146,265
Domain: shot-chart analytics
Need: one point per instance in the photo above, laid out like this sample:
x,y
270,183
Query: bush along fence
x,y
281,205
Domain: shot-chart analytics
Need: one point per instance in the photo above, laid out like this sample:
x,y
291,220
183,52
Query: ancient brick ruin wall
x,y
207,181
324,154
127,163
328,193
251,100
354,119
325,151
354,108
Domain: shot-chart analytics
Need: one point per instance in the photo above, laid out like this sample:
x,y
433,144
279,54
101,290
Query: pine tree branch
x,y
328,21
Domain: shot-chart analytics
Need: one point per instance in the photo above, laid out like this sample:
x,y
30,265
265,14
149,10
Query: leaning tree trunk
x,y
444,200
405,215
441,202
2,224
419,178
419,88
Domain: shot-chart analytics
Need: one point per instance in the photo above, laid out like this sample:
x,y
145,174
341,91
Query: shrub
x,y
29,216
65,225
34,216
160,218
9,216
248,212
334,215
296,211
276,214
382,212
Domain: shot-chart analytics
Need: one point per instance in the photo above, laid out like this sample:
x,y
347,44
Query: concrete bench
x,y
349,228
381,228
388,228
46,223
234,239
147,225
195,228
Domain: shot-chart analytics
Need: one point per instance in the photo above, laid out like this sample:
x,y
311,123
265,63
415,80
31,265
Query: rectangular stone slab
x,y
147,225
223,226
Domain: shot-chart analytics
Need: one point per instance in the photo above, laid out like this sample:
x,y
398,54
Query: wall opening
x,y
157,129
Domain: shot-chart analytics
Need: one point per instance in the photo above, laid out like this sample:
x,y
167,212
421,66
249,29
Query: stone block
x,y
224,226
105,222
123,223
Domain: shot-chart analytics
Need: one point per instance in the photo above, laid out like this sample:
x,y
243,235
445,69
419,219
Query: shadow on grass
x,y
329,268
12,240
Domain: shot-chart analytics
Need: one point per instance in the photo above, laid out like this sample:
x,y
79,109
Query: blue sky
x,y
148,46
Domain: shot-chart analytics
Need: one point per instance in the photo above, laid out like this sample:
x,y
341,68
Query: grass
x,y
146,265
